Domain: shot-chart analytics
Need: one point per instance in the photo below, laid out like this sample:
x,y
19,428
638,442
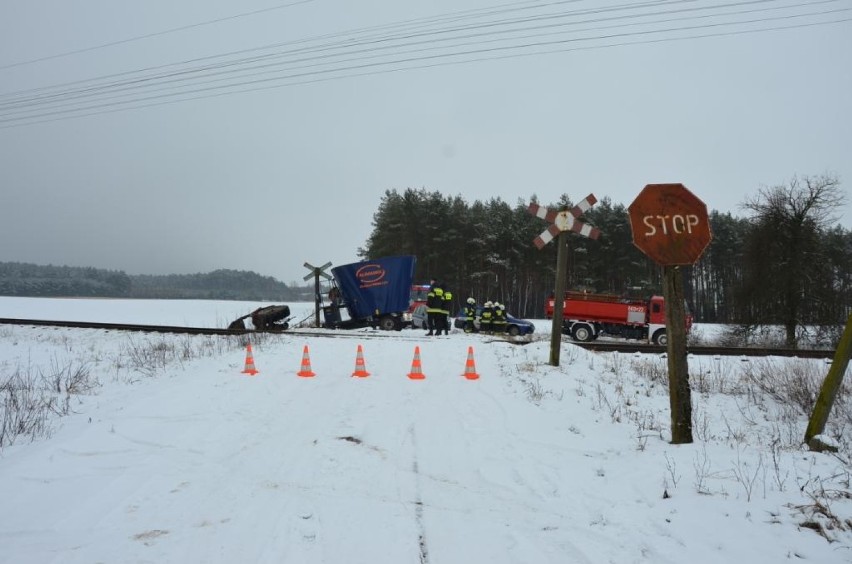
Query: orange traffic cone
x,y
469,366
305,371
249,369
360,367
416,370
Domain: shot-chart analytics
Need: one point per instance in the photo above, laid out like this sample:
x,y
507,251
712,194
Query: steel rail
x,y
595,346
627,347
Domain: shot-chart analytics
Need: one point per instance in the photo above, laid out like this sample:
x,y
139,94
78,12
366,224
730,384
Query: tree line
x,y
24,279
785,263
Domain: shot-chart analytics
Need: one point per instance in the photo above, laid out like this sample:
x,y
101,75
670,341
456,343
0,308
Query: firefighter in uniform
x,y
470,316
434,302
498,322
485,317
447,300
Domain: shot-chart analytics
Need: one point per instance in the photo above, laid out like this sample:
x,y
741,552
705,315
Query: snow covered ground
x,y
157,448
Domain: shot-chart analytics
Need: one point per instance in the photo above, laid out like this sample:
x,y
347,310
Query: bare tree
x,y
784,244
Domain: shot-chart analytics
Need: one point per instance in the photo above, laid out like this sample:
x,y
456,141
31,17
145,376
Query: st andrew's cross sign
x,y
561,223
564,221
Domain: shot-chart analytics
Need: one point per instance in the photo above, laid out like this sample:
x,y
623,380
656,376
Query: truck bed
x,y
604,309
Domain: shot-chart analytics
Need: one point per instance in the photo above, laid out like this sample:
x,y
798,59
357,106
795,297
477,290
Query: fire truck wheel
x,y
582,333
660,338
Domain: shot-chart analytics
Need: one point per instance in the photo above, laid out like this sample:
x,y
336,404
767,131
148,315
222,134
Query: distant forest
x,y
21,279
786,263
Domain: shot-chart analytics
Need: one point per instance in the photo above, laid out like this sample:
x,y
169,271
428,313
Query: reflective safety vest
x,y
445,305
499,317
434,300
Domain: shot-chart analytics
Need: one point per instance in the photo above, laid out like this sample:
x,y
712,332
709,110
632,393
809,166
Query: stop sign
x,y
669,224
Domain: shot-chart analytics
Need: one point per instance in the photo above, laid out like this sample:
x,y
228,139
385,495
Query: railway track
x,y
628,347
598,346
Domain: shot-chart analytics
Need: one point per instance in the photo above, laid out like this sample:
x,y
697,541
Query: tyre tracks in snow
x,y
418,502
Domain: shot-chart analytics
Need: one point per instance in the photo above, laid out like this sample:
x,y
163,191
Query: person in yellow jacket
x,y
434,303
498,322
470,316
446,304
486,317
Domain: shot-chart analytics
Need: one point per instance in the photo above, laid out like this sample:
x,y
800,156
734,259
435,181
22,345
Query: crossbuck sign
x,y
561,223
564,221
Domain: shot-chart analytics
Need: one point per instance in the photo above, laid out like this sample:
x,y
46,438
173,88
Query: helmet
x,y
502,307
488,304
471,301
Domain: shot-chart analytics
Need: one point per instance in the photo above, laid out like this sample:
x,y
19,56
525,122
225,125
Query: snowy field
x,y
121,448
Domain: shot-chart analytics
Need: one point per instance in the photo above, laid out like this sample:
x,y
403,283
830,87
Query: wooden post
x,y
679,394
316,272
559,297
830,386
317,297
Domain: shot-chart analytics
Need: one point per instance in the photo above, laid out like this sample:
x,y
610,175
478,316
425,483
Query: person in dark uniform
x,y
446,304
470,316
498,322
486,317
434,303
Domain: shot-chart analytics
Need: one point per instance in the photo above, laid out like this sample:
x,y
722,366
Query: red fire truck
x,y
585,317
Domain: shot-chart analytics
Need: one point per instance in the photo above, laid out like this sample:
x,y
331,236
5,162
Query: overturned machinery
x,y
269,318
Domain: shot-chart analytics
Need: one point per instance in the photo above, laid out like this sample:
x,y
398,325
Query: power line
x,y
69,98
170,77
350,36
440,64
35,96
150,35
200,91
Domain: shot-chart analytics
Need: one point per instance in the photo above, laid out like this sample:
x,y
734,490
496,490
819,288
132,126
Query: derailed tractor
x,y
269,318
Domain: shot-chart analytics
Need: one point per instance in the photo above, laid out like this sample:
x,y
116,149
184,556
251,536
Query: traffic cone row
x,y
416,372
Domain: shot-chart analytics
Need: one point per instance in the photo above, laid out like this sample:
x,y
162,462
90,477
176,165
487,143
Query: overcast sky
x,y
125,145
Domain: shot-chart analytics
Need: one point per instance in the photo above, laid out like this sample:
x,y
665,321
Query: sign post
x,y
316,272
561,223
671,226
559,297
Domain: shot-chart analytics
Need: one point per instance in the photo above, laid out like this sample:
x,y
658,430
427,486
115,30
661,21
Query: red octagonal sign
x,y
670,224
